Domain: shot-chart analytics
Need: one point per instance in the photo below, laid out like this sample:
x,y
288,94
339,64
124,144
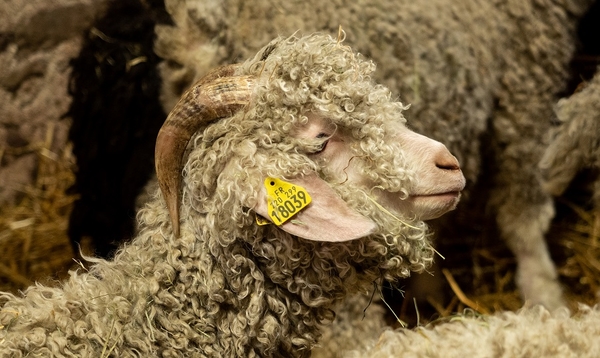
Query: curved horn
x,y
216,95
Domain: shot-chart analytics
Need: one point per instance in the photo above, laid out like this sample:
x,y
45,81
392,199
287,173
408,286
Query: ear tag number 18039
x,y
284,200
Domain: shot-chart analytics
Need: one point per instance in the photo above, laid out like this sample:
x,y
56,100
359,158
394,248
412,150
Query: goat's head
x,y
306,111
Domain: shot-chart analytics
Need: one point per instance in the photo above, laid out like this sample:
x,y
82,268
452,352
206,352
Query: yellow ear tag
x,y
284,200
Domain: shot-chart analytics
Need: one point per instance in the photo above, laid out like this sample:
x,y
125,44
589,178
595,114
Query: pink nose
x,y
444,160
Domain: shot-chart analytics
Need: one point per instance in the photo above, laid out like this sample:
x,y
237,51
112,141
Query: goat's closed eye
x,y
324,144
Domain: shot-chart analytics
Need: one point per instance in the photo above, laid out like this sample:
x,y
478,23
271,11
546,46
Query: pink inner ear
x,y
326,218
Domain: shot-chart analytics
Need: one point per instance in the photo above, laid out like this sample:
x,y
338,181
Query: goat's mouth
x,y
434,205
441,196
423,203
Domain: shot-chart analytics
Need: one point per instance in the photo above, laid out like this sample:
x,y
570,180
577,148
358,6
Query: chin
x,y
428,207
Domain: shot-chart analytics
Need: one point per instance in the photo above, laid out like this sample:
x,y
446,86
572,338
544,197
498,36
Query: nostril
x,y
446,161
448,166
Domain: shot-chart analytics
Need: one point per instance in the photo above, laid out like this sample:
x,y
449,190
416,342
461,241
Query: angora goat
x,y
481,76
206,277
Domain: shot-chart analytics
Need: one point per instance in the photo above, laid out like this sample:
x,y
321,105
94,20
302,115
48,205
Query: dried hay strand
x,y
33,242
579,243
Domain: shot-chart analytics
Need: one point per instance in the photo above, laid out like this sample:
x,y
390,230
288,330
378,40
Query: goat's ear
x,y
326,218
